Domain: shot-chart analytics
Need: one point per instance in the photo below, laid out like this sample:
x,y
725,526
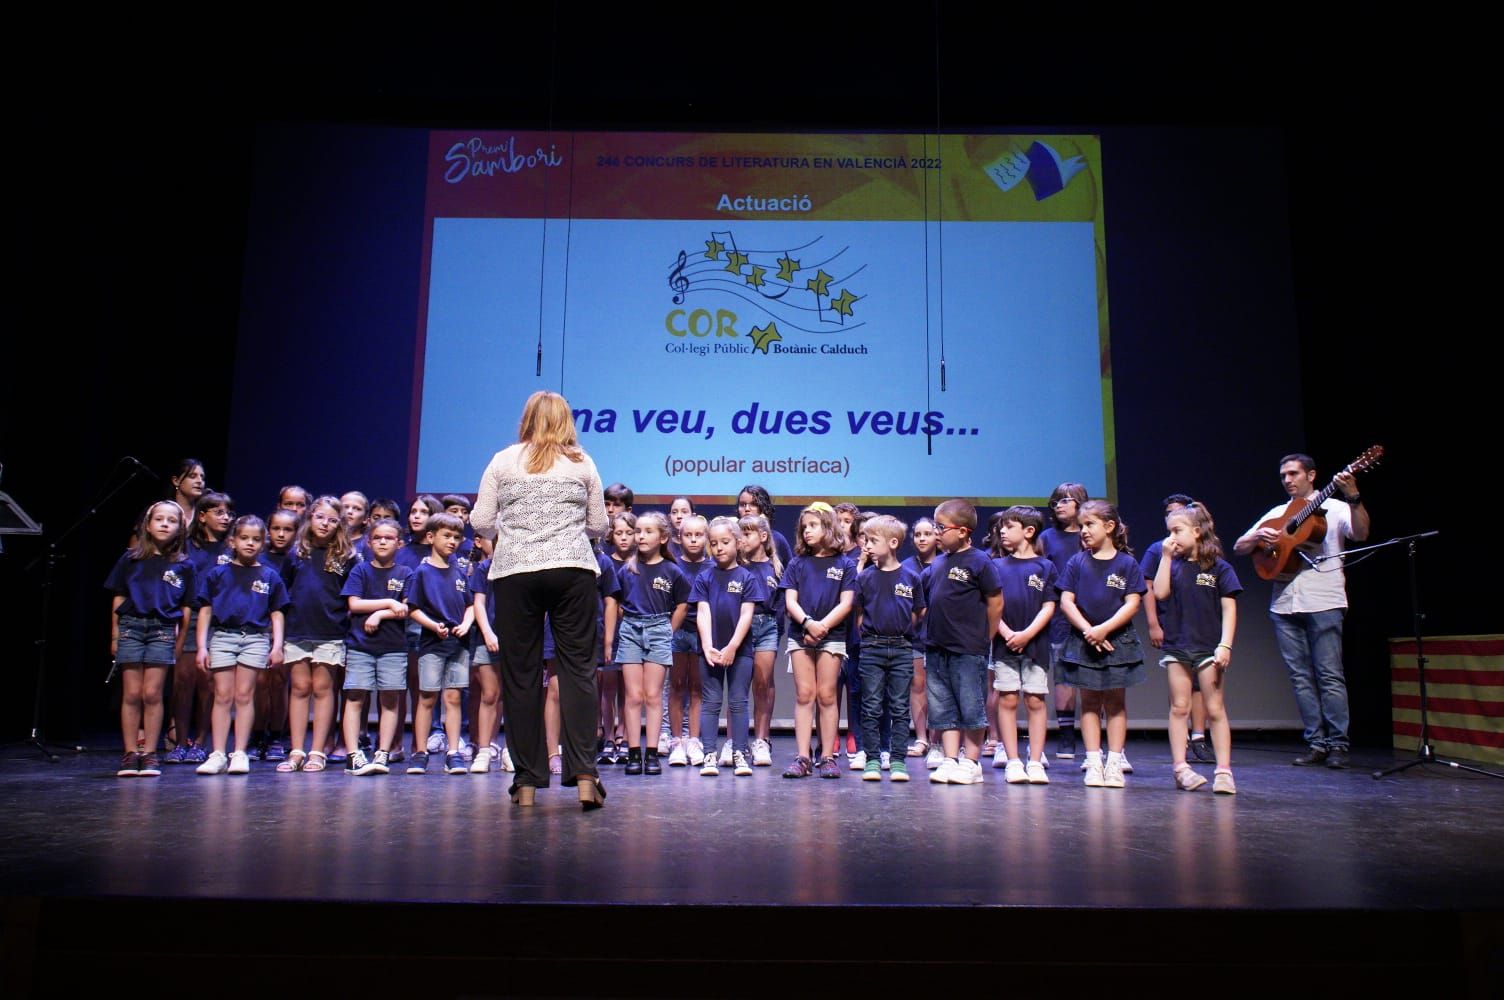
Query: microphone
x,y
142,466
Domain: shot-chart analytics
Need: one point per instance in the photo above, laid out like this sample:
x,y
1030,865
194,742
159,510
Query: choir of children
x,y
266,622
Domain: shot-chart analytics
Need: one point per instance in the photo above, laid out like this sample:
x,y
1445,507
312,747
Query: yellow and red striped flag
x,y
1464,694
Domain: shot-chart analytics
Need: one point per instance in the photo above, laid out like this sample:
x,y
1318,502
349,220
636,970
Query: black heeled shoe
x,y
650,764
592,792
523,795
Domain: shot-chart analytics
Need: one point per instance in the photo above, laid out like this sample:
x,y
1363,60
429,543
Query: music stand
x,y
50,558
1424,754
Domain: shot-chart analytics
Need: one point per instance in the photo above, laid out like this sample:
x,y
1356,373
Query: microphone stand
x,y
36,740
1424,754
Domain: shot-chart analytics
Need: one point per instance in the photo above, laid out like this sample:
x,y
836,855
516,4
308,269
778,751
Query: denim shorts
x,y
375,671
1017,672
796,645
645,640
232,647
1193,659
763,636
444,665
480,656
146,640
687,640
957,688
330,651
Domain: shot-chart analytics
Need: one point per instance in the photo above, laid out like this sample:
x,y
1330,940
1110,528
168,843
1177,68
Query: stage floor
x,y
1292,838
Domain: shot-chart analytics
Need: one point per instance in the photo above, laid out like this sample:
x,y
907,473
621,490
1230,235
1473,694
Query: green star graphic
x,y
762,336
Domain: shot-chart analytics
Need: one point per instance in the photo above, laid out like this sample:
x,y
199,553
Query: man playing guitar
x,y
1308,608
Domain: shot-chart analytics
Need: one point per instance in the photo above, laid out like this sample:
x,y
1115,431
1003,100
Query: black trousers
x,y
568,598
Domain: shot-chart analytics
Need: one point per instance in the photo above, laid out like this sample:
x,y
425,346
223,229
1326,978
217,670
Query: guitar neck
x,y
1316,501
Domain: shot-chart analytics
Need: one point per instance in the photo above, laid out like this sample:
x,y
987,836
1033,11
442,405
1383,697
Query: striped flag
x,y
1464,694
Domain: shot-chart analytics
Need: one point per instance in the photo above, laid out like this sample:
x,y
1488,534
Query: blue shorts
x,y
146,640
444,665
480,656
234,648
687,640
763,636
645,640
375,671
957,687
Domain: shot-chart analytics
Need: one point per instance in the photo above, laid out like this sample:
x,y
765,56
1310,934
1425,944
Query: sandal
x,y
918,749
294,762
316,761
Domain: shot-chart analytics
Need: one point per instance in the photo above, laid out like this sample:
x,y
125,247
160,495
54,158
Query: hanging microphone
x,y
143,467
942,374
539,371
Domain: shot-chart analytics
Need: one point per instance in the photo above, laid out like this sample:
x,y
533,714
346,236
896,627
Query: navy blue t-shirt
x,y
725,591
413,554
154,587
319,612
480,584
243,597
373,583
820,581
652,590
1060,547
1193,620
607,584
205,558
781,546
276,560
1101,586
919,568
960,583
889,599
440,593
1028,585
772,604
692,572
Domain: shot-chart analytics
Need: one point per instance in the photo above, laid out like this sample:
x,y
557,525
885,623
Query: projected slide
x,y
891,319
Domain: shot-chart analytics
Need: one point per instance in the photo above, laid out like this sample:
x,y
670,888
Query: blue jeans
x,y
1311,644
887,670
730,684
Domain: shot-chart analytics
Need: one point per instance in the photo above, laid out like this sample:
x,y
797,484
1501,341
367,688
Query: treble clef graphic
x,y
677,281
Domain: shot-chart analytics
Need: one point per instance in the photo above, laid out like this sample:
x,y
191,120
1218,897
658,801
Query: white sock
x,y
1114,756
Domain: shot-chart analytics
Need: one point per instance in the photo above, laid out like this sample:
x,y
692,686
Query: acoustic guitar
x,y
1302,525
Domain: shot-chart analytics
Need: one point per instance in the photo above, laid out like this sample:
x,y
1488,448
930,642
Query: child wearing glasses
x,y
965,605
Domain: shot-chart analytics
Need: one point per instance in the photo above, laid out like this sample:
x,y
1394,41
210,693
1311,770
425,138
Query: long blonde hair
x,y
547,431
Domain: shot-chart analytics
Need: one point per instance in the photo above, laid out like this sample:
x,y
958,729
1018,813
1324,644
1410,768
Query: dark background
x,y
1284,265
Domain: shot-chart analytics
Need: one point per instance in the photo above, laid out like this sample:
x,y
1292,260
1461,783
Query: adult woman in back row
x,y
541,499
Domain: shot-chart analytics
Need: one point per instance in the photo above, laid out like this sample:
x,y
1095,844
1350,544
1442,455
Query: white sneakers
x,y
934,758
1223,784
1014,772
1036,773
726,754
762,753
740,767
216,763
677,757
1000,756
858,760
694,750
964,771
482,762
1188,780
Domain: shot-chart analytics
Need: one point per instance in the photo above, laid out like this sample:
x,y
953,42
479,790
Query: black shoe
x,y
650,764
634,760
1201,749
1315,757
1336,759
1065,743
